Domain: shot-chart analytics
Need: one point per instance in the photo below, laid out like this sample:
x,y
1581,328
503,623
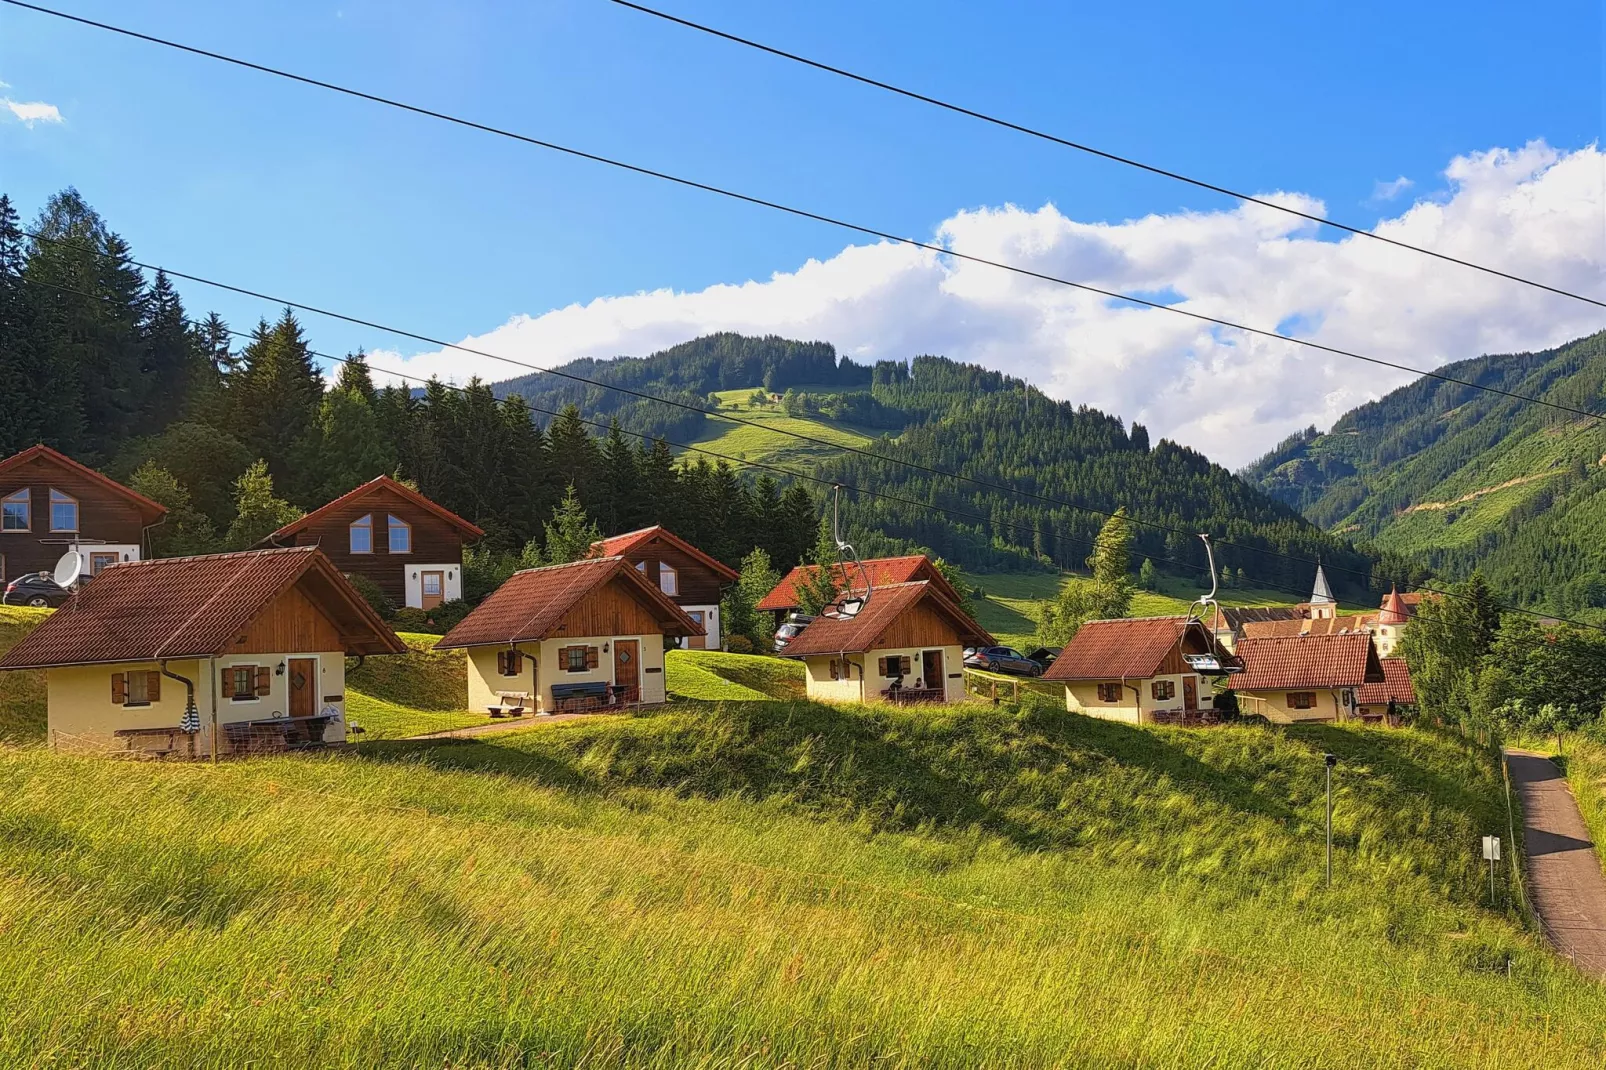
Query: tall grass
x,y
775,884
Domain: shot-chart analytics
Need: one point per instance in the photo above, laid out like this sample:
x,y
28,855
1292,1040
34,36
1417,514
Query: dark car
x,y
791,630
1005,659
34,589
1044,655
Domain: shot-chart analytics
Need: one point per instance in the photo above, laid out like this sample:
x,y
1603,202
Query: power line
x,y
1019,128
913,465
801,212
942,511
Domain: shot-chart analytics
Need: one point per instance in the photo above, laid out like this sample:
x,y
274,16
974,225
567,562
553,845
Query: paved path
x,y
1565,879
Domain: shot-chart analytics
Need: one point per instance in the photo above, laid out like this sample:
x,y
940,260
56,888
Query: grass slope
x,y
712,676
776,884
771,442
22,694
422,691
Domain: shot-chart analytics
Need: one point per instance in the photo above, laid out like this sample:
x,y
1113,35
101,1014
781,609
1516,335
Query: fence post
x,y
995,692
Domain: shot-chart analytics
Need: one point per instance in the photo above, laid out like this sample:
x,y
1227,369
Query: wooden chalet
x,y
393,535
1136,670
50,504
883,571
906,645
1387,702
1305,677
693,580
588,635
228,653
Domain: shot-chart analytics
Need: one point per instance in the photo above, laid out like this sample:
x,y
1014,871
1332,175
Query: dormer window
x,y
362,535
668,580
401,535
63,511
16,513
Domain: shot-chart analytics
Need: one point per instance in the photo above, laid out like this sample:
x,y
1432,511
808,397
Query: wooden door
x,y
1190,692
432,589
931,670
627,665
697,642
303,677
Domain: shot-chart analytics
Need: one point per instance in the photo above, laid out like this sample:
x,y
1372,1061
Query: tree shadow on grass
x,y
1387,754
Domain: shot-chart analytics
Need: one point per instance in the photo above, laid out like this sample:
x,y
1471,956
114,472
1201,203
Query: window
x,y
431,584
1109,692
63,511
401,535
136,688
577,658
668,579
1163,689
362,535
244,683
893,666
510,662
16,513
641,567
1302,700
98,560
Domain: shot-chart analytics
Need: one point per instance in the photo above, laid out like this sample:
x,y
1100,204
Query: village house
x,y
588,635
882,571
1305,677
239,652
906,645
50,504
1390,700
389,533
1136,670
693,581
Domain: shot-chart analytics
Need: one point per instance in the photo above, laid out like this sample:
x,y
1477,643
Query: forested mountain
x,y
237,431
1459,478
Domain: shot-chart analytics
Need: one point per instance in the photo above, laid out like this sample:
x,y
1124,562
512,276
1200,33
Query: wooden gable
x,y
435,541
105,513
697,583
613,608
921,624
291,623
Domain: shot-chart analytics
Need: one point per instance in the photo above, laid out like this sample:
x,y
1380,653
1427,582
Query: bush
x,y
438,621
410,620
739,644
373,595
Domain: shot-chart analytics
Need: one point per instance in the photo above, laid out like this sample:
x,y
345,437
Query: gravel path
x,y
1568,888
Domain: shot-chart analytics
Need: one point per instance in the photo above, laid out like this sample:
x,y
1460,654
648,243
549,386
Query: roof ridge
x,y
204,606
568,564
214,557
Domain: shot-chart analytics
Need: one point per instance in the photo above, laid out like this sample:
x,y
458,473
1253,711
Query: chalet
x,y
50,504
906,645
583,636
1305,677
393,535
1388,701
1230,623
692,580
883,571
1136,670
228,653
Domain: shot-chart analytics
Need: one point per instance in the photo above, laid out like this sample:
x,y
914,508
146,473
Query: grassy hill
x,y
1457,478
776,883
771,443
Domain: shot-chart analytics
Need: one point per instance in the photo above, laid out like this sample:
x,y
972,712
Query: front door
x,y
697,642
1190,692
303,674
627,667
432,587
931,671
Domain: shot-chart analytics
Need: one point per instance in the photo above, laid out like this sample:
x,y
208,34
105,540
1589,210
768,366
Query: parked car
x,y
1044,655
34,589
1005,659
791,630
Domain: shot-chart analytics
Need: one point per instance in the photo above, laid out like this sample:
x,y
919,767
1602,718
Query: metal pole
x,y
1329,825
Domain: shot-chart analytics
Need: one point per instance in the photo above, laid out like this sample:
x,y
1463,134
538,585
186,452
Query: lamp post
x,y
1330,760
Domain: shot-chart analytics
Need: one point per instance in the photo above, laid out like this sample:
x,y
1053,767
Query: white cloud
x,y
1387,191
33,112
1533,211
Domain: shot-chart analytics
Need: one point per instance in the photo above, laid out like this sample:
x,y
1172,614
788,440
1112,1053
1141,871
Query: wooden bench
x,y
572,698
165,740
510,704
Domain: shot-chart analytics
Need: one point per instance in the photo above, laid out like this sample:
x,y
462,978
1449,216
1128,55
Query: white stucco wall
x,y
452,576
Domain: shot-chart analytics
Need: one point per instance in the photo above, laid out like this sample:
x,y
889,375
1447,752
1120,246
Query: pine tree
x,y
185,530
738,615
822,585
274,401
795,533
355,376
354,449
173,365
570,533
20,354
1147,576
620,506
257,511
575,456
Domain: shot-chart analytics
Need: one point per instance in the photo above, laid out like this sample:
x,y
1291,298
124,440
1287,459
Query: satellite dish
x,y
68,569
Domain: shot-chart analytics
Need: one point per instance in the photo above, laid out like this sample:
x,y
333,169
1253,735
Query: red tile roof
x,y
358,493
854,635
1306,662
883,571
1272,629
1127,649
632,542
1396,685
1235,617
530,605
1395,610
151,510
184,607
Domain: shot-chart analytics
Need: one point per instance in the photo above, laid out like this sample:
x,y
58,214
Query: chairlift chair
x,y
1207,663
849,605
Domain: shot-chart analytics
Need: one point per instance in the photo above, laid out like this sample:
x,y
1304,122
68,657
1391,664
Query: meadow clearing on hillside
x,y
777,883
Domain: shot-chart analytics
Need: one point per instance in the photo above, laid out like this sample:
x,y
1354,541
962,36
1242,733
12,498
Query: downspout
x,y
191,714
145,537
1137,697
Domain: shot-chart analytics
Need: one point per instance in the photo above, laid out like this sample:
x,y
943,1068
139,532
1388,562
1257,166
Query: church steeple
x,y
1321,594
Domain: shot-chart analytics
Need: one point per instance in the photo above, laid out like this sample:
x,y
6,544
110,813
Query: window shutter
x,y
881,666
835,673
591,657
515,662
264,679
501,662
228,683
903,665
153,686
119,689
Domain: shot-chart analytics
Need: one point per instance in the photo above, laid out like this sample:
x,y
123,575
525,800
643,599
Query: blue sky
x,y
397,218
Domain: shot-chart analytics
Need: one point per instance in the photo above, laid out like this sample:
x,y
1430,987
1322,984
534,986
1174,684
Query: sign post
x,y
1491,854
1330,760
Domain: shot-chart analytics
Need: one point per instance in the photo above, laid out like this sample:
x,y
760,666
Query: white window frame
x,y
394,524
365,523
668,580
24,497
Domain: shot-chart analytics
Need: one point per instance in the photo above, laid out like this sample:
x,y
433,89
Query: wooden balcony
x,y
910,696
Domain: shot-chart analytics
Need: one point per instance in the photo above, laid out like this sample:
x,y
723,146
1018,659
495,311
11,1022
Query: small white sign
x,y
1491,848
